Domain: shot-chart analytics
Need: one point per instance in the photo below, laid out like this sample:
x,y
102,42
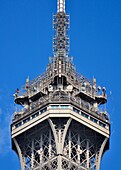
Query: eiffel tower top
x,y
61,82
59,124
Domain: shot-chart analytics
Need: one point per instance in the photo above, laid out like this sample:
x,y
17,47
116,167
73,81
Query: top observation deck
x,y
61,82
61,86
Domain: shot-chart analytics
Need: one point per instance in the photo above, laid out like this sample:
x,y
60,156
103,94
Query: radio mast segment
x,y
61,6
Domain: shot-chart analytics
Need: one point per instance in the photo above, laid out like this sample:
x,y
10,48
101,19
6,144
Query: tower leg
x,y
101,153
19,153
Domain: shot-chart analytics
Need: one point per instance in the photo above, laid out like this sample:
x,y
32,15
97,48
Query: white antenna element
x,y
61,6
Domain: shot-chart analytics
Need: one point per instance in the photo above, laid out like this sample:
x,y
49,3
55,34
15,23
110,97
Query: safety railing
x,y
85,106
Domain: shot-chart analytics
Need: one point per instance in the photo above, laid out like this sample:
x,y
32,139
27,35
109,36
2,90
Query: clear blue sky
x,y
26,43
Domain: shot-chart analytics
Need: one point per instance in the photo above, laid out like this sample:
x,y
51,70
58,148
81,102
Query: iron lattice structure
x,y
60,123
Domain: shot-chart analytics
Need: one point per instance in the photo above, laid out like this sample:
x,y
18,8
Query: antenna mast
x,y
61,6
61,26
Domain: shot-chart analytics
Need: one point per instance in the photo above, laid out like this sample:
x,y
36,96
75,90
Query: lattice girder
x,y
63,144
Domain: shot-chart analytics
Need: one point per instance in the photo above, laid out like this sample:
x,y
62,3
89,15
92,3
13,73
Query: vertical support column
x,y
78,148
32,154
59,149
69,139
87,154
96,162
41,149
50,147
59,162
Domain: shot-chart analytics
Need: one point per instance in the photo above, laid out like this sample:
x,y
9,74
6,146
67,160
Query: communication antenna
x,y
61,24
61,6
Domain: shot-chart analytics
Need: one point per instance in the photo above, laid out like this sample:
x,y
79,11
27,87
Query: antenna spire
x,y
61,26
61,6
